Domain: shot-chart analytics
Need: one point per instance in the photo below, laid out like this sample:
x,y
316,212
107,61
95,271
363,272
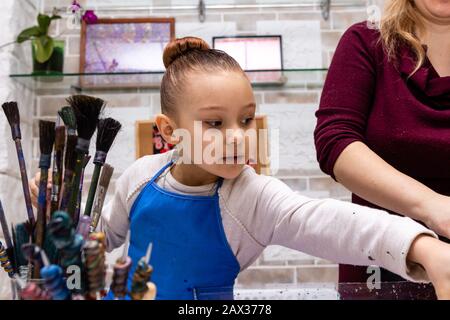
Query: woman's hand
x,y
437,211
434,256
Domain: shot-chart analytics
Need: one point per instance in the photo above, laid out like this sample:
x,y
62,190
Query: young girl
x,y
209,221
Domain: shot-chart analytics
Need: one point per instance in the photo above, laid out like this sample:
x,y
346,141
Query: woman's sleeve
x,y
339,231
347,96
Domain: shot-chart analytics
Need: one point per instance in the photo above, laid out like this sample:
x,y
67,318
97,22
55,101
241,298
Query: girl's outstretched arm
x,y
348,233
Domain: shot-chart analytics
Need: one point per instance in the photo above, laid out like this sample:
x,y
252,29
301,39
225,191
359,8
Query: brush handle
x,y
80,192
76,218
4,224
92,190
98,204
42,208
75,186
7,237
25,186
66,190
57,180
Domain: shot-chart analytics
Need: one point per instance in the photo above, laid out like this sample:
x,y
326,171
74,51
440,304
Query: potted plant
x,y
48,53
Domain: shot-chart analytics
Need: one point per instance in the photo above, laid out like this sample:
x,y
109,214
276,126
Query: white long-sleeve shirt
x,y
259,210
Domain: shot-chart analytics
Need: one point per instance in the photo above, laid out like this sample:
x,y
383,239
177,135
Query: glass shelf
x,y
150,81
107,5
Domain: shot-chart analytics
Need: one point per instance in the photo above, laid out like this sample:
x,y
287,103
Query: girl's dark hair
x,y
185,55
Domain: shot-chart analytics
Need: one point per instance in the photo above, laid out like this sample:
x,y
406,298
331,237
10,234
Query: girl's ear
x,y
166,128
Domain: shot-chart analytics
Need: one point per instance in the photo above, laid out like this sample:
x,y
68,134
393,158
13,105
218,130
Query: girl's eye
x,y
214,123
247,121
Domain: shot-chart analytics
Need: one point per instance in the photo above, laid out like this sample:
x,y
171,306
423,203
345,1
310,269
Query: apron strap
x,y
219,184
167,165
161,171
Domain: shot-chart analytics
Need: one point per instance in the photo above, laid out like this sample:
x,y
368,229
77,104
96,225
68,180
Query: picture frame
x,y
261,70
124,52
145,135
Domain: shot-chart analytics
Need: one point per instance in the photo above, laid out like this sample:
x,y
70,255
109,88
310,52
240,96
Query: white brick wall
x,y
15,15
308,42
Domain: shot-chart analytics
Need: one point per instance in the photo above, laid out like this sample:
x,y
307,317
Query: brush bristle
x,y
46,136
70,158
87,111
105,177
60,138
12,112
68,117
106,133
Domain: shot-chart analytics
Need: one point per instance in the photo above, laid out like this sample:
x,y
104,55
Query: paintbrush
x,y
7,236
68,116
46,141
87,111
60,140
103,185
80,192
5,261
107,130
12,114
21,235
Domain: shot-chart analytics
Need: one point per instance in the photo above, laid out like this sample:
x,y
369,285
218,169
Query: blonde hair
x,y
400,23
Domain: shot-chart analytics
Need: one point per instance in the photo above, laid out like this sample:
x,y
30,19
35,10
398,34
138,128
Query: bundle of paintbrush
x,y
42,249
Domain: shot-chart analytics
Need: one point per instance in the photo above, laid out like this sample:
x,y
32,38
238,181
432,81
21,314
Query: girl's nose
x,y
234,136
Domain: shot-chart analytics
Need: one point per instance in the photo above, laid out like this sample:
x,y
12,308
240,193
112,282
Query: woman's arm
x,y
342,151
366,174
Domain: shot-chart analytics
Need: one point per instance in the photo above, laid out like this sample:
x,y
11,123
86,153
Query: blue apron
x,y
191,256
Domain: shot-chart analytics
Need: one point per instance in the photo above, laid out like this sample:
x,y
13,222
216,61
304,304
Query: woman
x,y
383,128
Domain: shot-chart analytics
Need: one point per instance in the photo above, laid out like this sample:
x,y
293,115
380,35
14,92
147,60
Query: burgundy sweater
x,y
369,98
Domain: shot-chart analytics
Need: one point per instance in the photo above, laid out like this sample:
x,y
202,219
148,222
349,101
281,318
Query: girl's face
x,y
218,110
437,11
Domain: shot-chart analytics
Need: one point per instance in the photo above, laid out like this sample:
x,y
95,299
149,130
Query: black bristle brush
x,y
58,156
46,141
12,114
68,117
107,130
87,111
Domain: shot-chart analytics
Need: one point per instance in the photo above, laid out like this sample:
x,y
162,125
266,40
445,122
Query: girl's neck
x,y
192,175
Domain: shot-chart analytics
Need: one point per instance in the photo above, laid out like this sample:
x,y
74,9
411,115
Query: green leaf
x,y
44,47
29,33
43,22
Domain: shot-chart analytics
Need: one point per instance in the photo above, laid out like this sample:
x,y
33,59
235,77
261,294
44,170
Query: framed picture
x,y
149,141
246,50
121,53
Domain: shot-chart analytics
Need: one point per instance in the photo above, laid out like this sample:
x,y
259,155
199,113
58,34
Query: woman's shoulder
x,y
361,39
363,32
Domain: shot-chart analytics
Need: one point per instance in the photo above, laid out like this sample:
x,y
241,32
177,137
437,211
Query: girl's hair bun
x,y
178,47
